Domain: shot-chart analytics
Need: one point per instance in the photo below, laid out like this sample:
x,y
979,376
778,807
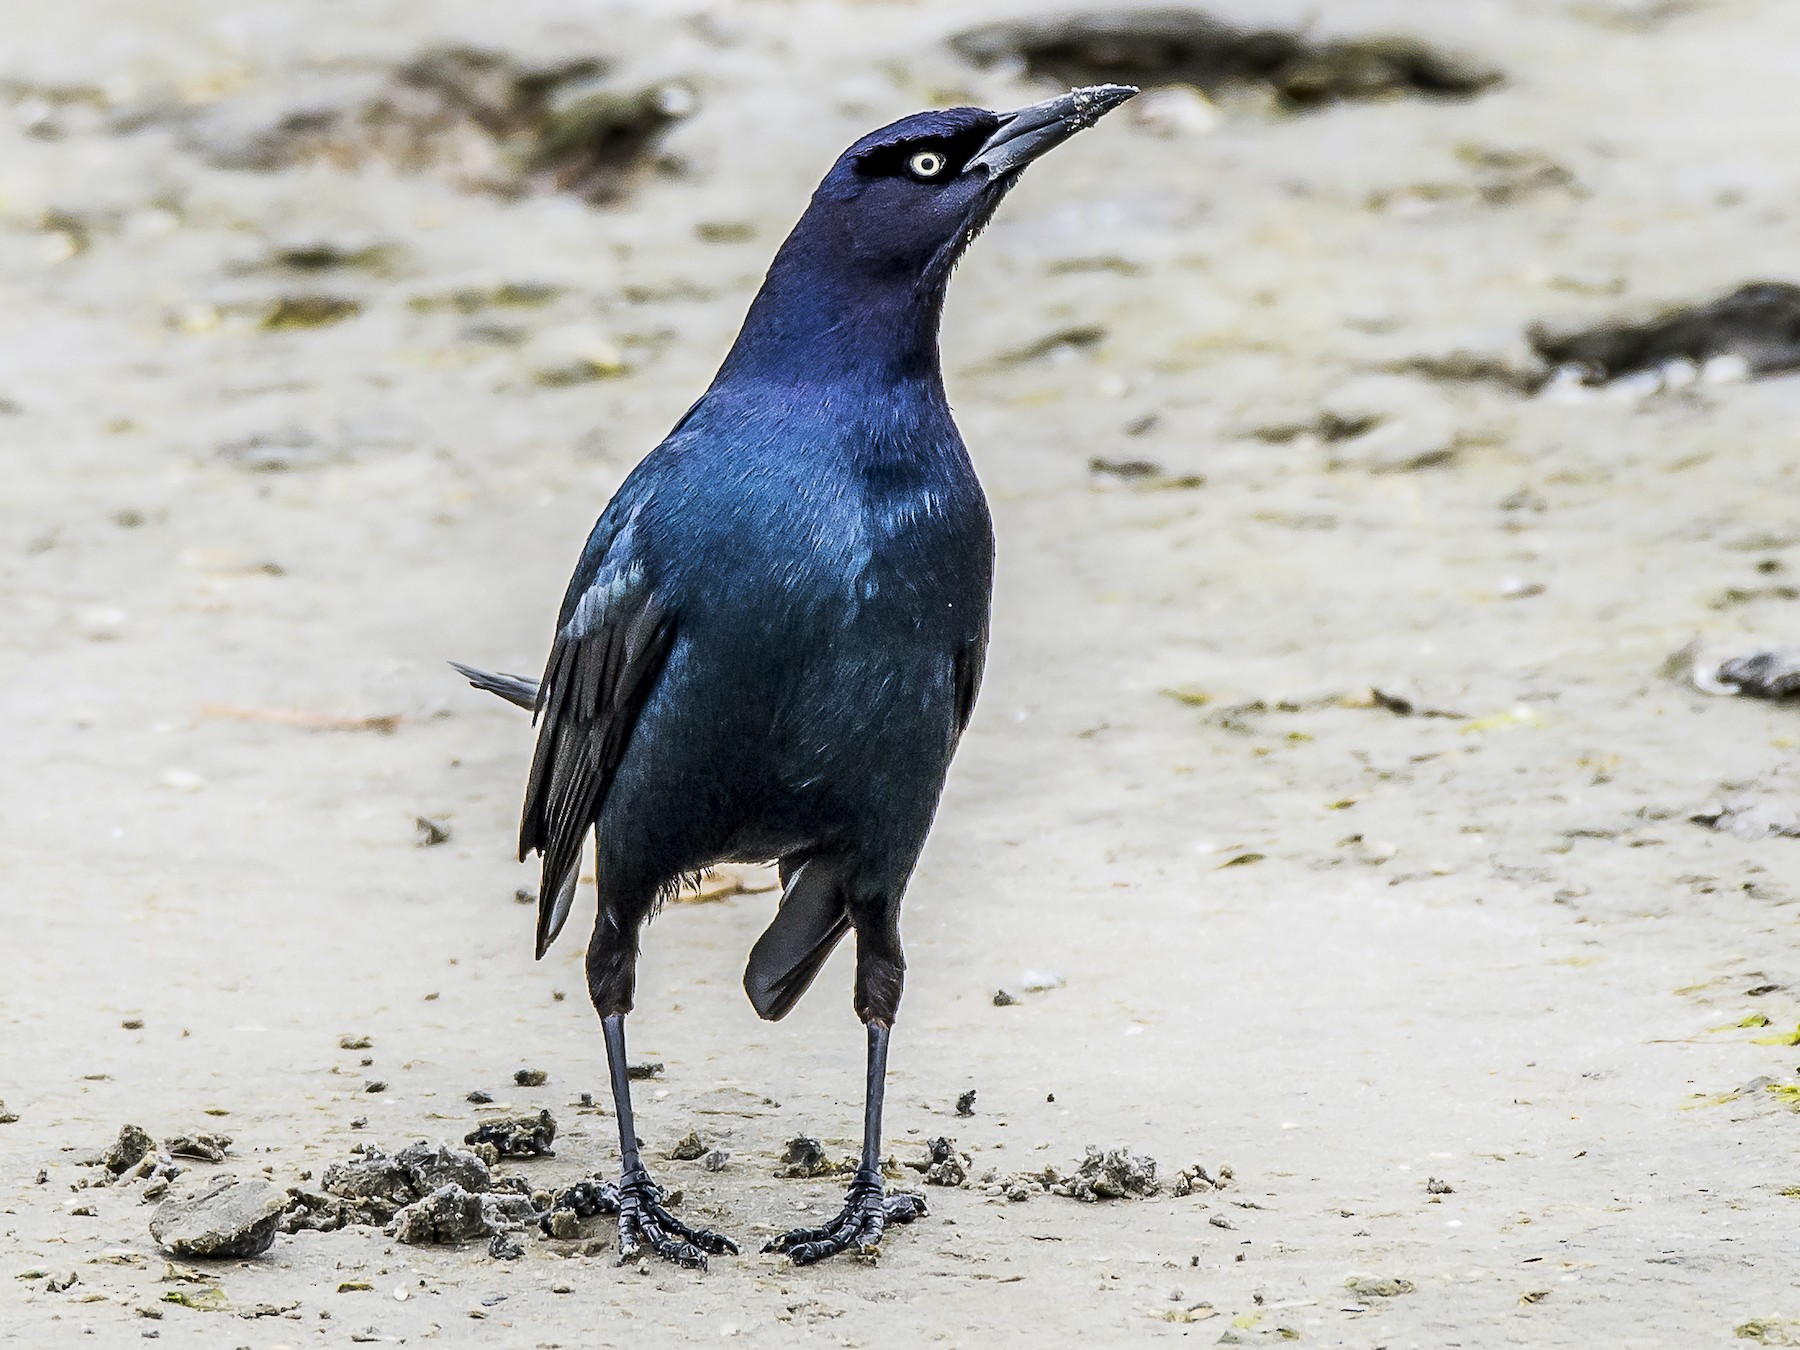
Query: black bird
x,y
774,637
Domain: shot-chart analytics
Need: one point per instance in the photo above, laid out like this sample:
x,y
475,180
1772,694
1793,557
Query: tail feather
x,y
791,951
516,689
556,896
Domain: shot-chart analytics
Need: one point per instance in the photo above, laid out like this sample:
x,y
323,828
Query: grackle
x,y
773,640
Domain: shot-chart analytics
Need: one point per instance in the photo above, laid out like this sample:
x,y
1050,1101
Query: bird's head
x,y
860,281
907,200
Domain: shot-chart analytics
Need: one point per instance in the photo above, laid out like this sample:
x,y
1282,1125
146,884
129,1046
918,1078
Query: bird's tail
x,y
806,928
515,689
556,897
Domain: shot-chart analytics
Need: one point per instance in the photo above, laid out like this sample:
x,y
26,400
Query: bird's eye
x,y
925,164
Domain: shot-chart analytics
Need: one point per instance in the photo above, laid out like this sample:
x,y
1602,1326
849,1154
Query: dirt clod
x,y
228,1218
531,1078
689,1147
128,1149
1109,1174
1758,323
206,1147
1161,47
965,1104
525,1136
447,1216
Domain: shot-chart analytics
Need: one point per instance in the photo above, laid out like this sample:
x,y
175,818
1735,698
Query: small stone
x,y
646,1070
525,1136
945,1167
429,833
1370,1286
689,1147
1002,999
531,1078
449,1215
228,1218
714,1159
206,1147
804,1156
965,1104
479,1098
375,1085
133,1024
7,1117
128,1150
504,1247
1435,1186
354,1042
563,1225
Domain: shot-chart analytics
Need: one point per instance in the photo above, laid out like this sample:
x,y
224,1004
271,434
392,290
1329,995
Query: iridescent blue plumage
x,y
775,634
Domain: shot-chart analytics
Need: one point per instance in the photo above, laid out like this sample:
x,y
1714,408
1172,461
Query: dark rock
x,y
1758,322
1160,47
447,1216
228,1218
128,1149
524,1136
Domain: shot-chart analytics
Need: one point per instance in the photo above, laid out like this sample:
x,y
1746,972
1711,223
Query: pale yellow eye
x,y
926,164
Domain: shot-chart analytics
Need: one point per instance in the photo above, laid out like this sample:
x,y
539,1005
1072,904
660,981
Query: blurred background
x,y
1369,411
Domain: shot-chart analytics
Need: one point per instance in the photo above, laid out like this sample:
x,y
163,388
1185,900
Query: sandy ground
x,y
1342,951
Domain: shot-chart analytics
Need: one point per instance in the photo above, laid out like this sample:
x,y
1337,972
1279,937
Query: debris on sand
x,y
1110,1174
505,1247
206,1147
1002,999
644,1071
424,1194
689,1147
1195,1177
1750,818
804,1156
943,1165
525,1136
1160,47
965,1104
715,1159
494,122
1755,330
429,833
1372,1286
8,1117
228,1218
128,1149
290,312
531,1078
1769,672
447,1216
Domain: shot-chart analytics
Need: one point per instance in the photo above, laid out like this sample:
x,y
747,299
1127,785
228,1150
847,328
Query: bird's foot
x,y
867,1212
643,1222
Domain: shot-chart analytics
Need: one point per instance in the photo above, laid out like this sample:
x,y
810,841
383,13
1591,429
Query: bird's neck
x,y
821,321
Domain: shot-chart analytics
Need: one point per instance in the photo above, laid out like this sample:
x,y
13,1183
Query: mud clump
x,y
229,1218
524,1136
804,1156
1160,47
689,1147
128,1150
1772,673
1758,324
206,1147
492,121
944,1165
1110,1174
448,1216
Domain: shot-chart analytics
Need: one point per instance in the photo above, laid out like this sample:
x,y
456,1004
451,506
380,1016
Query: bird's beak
x,y
1028,132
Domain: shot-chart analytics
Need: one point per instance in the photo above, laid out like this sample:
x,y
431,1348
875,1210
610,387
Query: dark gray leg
x,y
868,1209
642,1218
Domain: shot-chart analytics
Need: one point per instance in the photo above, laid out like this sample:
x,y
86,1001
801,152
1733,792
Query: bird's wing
x,y
969,661
611,641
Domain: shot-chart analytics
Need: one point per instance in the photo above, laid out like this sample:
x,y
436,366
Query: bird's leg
x,y
642,1219
868,1209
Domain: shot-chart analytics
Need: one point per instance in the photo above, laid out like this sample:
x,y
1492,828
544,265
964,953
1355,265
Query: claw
x,y
858,1227
643,1220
